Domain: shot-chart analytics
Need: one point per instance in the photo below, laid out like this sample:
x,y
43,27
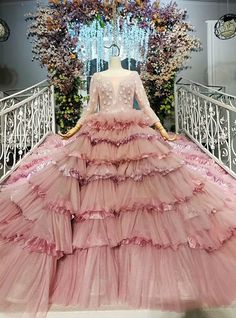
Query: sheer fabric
x,y
77,232
117,93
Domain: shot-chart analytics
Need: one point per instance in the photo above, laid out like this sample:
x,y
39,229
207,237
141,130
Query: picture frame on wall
x,y
4,31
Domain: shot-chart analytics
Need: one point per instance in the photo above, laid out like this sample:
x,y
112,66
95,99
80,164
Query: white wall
x,y
17,70
16,67
221,61
198,13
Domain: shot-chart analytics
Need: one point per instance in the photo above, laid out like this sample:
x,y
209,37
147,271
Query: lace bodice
x,y
117,93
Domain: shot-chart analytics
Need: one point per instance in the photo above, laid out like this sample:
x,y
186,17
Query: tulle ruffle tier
x,y
26,280
133,276
114,196
140,204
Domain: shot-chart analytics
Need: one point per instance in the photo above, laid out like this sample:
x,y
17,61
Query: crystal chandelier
x,y
122,31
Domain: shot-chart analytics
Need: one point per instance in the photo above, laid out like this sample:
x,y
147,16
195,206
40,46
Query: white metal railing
x,y
208,116
26,118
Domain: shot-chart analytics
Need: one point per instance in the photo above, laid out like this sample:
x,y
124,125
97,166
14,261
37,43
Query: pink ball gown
x,y
116,219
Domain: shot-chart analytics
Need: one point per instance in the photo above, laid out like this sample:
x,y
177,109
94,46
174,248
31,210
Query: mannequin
x,y
115,70
115,67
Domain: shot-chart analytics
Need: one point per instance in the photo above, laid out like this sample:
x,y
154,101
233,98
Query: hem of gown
x,y
169,280
103,274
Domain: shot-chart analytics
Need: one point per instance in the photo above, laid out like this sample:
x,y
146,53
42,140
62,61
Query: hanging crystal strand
x,y
93,43
132,40
83,48
135,42
141,44
146,40
134,36
79,47
118,32
102,47
96,41
120,39
110,34
141,41
114,17
84,52
88,43
125,38
97,48
129,41
128,47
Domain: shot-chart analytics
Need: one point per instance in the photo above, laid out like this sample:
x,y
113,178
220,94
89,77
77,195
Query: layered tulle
x,y
116,219
35,232
25,280
39,212
134,276
149,232
37,159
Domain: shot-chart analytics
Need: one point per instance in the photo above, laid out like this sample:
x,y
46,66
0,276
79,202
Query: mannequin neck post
x,y
115,63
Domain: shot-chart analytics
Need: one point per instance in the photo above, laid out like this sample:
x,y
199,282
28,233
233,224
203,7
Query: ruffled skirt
x,y
116,219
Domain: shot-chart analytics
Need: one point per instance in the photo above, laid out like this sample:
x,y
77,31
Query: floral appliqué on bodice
x,y
117,93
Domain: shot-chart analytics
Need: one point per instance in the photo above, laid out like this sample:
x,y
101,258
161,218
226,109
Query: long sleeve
x,y
141,97
93,100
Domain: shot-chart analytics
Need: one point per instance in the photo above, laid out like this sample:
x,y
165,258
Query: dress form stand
x,y
115,67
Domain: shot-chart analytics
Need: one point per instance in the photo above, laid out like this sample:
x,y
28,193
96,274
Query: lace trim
x,y
119,161
10,218
117,178
50,206
53,206
40,245
37,190
119,142
194,244
163,207
32,163
24,170
191,243
36,244
93,214
116,123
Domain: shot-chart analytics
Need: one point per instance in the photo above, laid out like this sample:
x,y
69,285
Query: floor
x,y
216,313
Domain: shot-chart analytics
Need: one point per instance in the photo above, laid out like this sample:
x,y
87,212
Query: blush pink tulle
x,y
116,216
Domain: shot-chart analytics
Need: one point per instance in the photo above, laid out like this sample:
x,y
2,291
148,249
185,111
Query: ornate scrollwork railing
x,y
208,117
26,118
